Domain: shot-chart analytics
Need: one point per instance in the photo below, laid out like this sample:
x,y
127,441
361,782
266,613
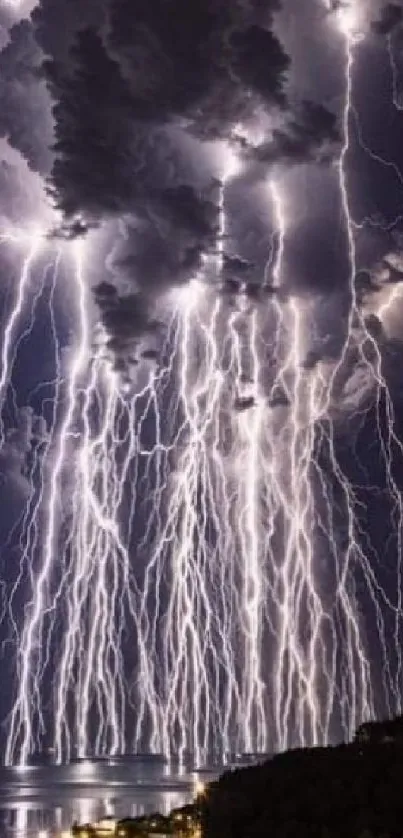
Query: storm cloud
x,y
391,17
226,67
311,134
25,113
132,87
121,84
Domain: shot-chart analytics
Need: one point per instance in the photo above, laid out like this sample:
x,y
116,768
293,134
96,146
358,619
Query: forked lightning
x,y
192,551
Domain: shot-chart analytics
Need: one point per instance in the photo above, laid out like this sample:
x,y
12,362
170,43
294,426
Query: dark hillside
x,y
349,791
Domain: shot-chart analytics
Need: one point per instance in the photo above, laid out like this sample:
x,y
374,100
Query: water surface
x,y
45,800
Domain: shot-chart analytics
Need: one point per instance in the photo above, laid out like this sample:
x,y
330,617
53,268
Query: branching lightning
x,y
192,548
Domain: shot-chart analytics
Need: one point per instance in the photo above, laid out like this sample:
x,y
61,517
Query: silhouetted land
x,y
348,791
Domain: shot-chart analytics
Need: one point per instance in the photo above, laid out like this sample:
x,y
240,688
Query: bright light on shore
x,y
199,788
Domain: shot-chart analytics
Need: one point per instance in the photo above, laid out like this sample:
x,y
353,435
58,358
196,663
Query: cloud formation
x,y
391,16
203,67
121,84
311,134
207,63
25,113
130,83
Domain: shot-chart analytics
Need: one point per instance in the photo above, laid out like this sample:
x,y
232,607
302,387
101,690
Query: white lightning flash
x,y
9,334
360,556
397,91
191,548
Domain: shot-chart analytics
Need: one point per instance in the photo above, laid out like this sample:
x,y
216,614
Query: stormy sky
x,y
120,122
127,116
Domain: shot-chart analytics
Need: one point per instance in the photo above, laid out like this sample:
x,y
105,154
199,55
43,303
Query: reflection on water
x,y
45,800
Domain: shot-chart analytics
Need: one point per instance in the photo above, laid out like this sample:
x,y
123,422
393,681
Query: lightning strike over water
x,y
192,553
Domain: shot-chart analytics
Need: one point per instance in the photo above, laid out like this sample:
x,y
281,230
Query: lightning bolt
x,y
202,554
29,658
357,558
397,95
389,443
14,317
192,544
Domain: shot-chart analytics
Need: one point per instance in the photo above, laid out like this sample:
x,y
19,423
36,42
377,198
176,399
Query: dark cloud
x,y
375,328
105,292
244,403
25,114
159,250
119,86
236,267
56,27
206,62
164,247
125,316
94,132
311,134
250,50
199,66
70,230
150,354
365,285
391,17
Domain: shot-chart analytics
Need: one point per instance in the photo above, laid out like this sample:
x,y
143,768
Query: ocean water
x,y
44,800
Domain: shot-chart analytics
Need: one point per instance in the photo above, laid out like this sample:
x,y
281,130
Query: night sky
x,y
119,122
